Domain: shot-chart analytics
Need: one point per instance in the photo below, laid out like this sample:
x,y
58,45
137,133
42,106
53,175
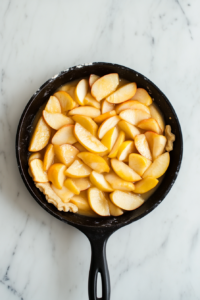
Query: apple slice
x,y
106,107
92,79
34,156
82,203
123,93
87,140
127,201
132,104
66,101
157,115
118,143
105,116
81,91
66,153
98,202
119,184
78,169
82,183
64,193
107,125
156,143
145,185
48,157
134,116
158,167
37,170
40,137
65,135
89,100
130,130
125,149
110,138
88,111
56,175
70,184
53,105
94,161
87,123
104,86
99,181
80,147
142,146
124,171
56,121
150,125
139,163
114,210
142,96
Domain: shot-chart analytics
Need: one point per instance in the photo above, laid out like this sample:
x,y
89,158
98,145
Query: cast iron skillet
x,y
98,230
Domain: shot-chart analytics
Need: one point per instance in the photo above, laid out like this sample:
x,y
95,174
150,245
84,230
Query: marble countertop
x,y
157,257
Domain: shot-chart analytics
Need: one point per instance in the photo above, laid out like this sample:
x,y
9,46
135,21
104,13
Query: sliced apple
x,y
145,185
66,101
142,146
134,116
106,107
89,100
81,91
87,111
124,171
80,147
98,202
82,183
157,115
40,137
37,170
119,184
123,93
150,125
82,203
92,79
139,163
104,86
132,104
87,123
64,193
105,116
65,135
94,161
142,96
87,140
56,175
78,169
118,143
70,184
115,211
99,181
53,105
125,200
66,153
130,130
34,156
56,121
107,125
110,138
125,149
156,143
158,167
48,157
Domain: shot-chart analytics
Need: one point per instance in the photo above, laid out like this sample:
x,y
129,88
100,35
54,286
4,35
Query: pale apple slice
x,y
53,105
87,123
156,143
115,211
78,169
48,157
122,94
87,111
107,125
66,101
119,184
66,87
125,200
150,125
92,79
134,116
56,175
139,163
66,153
65,135
56,121
81,91
80,147
130,130
104,86
94,161
158,167
98,202
87,140
82,203
82,183
110,138
124,171
64,193
118,143
105,116
157,115
106,107
125,149
40,137
132,104
142,146
89,100
99,181
145,185
34,156
70,184
37,170
142,96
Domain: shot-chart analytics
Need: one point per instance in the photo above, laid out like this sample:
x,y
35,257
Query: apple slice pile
x,y
98,146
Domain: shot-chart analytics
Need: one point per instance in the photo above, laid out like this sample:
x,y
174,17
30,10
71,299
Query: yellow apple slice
x,y
56,121
80,147
87,140
48,157
142,146
118,143
37,170
56,175
99,181
94,161
92,79
70,184
82,203
158,167
66,153
81,91
89,100
125,149
132,104
139,163
105,116
156,143
78,169
115,211
82,183
53,105
119,184
125,200
98,202
34,156
104,86
130,130
87,123
150,125
107,125
110,138
40,137
157,115
66,101
134,116
123,93
145,185
64,193
124,171
87,111
66,87
106,107
65,135
142,96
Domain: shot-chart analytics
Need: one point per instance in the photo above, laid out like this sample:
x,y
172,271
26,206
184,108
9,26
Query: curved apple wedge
x,y
94,161
110,138
56,175
157,115
66,153
104,86
115,211
64,193
78,169
82,203
70,185
119,184
134,116
40,137
142,146
118,143
139,163
124,93
106,107
124,171
145,185
158,167
53,105
99,181
132,104
142,96
34,156
66,101
87,123
81,91
150,125
37,170
130,130
48,157
56,121
156,143
98,202
107,125
105,116
125,149
127,201
82,183
89,100
65,135
88,111
92,79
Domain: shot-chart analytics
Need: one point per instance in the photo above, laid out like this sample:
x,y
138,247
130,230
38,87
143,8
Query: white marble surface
x,y
156,257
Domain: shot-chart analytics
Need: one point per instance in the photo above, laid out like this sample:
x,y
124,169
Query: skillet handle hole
x,y
99,286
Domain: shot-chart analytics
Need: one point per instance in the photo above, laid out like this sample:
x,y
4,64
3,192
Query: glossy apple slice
x,y
53,105
82,183
124,171
98,202
110,138
104,86
89,100
40,137
125,149
139,163
48,157
130,130
87,111
132,104
64,193
106,107
107,125
127,201
142,146
156,143
119,184
80,147
157,115
56,175
92,79
66,101
66,153
115,211
37,170
78,169
82,203
94,161
145,185
142,96
150,125
34,156
134,116
81,91
65,135
105,116
123,93
70,185
56,121
87,123
118,143
99,181
158,167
